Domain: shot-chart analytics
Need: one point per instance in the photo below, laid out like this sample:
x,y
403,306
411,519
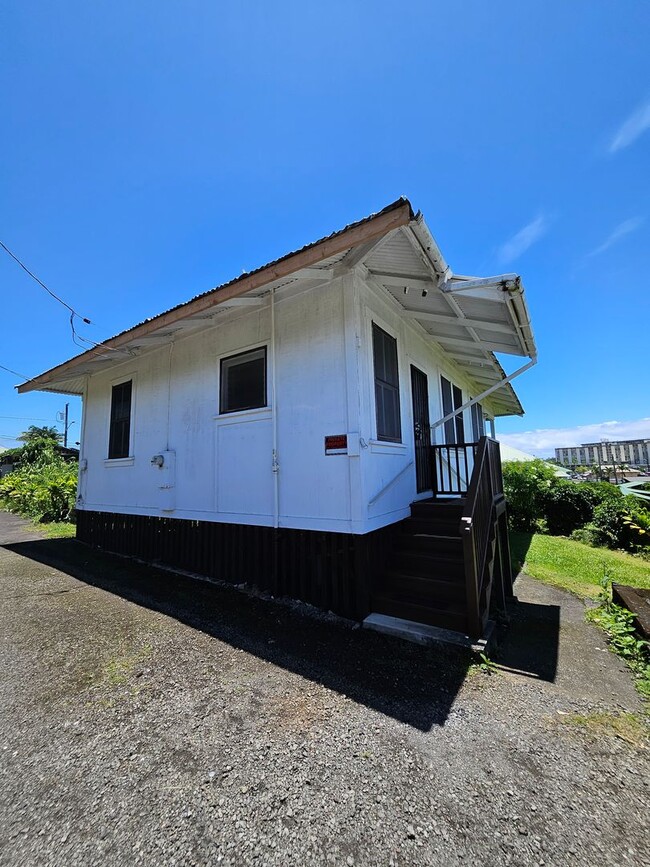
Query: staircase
x,y
425,578
449,556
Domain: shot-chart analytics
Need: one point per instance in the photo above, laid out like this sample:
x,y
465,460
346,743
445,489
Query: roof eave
x,y
398,213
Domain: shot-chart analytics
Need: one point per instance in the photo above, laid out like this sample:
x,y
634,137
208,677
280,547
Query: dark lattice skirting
x,y
332,571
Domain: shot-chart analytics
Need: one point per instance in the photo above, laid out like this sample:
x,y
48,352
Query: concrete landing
x,y
422,633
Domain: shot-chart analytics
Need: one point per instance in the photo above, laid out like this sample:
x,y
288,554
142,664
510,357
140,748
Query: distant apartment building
x,y
633,453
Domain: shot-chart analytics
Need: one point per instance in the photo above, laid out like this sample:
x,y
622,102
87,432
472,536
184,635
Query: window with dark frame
x,y
478,422
243,381
384,349
120,429
452,398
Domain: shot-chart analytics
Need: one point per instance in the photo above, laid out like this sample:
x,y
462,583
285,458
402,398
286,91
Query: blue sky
x,y
152,150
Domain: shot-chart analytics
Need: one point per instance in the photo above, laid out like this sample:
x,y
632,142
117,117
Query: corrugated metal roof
x,y
324,263
37,383
400,256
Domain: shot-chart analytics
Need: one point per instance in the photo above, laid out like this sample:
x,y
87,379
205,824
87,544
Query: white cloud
x,y
630,130
623,229
544,442
523,239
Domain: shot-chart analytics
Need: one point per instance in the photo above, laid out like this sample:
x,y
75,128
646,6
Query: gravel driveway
x,y
152,719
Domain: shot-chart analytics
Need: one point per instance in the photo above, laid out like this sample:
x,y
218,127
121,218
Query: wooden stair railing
x,y
482,531
451,468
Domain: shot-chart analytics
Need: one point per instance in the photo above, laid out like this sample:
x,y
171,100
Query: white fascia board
x,y
430,247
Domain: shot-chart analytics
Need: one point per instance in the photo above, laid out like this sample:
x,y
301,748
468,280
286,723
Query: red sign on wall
x,y
336,443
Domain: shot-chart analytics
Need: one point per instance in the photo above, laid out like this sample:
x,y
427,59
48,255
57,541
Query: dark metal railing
x,y
483,524
451,468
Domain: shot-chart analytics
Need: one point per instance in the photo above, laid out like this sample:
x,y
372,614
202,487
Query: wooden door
x,y
421,429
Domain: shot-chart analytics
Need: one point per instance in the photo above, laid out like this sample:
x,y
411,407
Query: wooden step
x,y
428,564
430,527
423,591
435,510
445,616
443,546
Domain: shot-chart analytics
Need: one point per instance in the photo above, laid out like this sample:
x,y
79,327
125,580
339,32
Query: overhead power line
x,y
76,337
14,372
40,283
24,418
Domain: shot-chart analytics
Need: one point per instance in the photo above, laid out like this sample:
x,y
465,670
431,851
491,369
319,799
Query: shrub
x,y
600,492
525,485
623,523
44,490
567,506
587,535
538,500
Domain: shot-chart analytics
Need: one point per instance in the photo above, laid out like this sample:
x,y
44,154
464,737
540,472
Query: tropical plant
x,y
34,432
43,486
44,492
620,626
526,484
623,523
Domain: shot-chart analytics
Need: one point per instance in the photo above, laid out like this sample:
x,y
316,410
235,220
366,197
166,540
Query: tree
x,y
34,432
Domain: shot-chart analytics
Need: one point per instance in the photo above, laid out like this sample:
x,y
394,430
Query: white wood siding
x,y
223,464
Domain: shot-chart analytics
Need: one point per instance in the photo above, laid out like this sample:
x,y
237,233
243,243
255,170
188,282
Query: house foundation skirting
x,y
332,571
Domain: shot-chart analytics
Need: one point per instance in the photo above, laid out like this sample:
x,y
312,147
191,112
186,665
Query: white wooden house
x,y
314,427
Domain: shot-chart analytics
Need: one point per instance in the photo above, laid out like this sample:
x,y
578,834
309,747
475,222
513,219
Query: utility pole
x,y
65,427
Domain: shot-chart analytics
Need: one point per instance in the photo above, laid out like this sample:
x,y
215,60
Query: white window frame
x,y
130,459
376,445
258,410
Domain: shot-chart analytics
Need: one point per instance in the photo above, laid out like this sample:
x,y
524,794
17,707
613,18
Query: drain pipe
x,y
275,466
169,391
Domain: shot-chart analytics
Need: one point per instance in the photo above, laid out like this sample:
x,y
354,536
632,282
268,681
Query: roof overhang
x,y
470,318
69,377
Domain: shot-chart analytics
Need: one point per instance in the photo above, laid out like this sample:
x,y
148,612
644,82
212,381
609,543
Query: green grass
x,y
56,529
574,566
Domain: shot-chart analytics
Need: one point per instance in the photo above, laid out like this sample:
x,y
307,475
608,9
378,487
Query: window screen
x,y
386,385
120,430
243,381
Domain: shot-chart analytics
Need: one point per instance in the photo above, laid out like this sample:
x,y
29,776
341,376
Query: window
x,y
478,422
243,381
120,430
452,398
384,348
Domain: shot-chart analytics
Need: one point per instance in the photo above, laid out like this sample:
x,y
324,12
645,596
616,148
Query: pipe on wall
x,y
169,393
275,466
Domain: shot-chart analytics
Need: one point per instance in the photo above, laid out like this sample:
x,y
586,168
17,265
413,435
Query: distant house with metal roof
x,y
510,453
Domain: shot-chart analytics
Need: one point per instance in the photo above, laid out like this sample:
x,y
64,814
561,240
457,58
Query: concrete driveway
x,y
147,718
